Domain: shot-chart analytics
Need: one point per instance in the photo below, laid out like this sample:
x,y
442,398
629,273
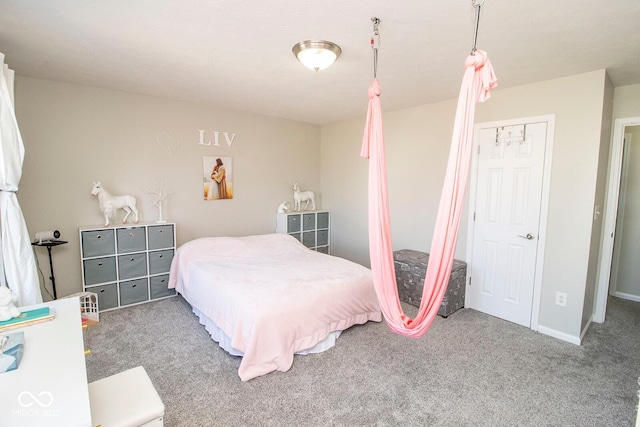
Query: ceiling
x,y
236,54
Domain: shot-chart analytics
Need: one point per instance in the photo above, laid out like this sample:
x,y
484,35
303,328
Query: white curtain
x,y
17,261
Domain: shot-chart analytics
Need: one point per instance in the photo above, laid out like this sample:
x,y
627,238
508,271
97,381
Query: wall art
x,y
217,177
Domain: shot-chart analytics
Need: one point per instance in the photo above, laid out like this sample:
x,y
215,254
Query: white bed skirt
x,y
223,340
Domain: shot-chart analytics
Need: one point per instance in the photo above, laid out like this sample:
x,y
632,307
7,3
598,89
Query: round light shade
x,y
316,54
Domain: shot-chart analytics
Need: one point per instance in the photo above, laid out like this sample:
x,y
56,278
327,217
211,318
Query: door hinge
x,y
469,280
474,216
478,149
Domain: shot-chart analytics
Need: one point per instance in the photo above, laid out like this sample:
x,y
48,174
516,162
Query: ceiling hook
x,y
376,21
375,38
375,44
476,4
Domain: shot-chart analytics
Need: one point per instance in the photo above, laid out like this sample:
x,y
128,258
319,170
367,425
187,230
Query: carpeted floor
x,y
470,369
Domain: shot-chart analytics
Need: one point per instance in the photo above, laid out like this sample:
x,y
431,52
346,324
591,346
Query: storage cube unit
x,y
127,264
411,269
311,228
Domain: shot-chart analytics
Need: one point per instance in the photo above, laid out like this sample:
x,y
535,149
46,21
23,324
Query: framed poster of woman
x,y
217,174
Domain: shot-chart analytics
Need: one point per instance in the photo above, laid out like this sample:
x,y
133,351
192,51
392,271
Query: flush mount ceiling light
x,y
316,54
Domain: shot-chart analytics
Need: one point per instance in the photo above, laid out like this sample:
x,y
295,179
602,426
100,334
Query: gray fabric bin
x,y
99,270
132,265
131,240
133,291
98,242
160,236
160,286
160,261
107,296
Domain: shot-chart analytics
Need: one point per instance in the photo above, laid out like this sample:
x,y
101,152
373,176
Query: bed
x,y
268,297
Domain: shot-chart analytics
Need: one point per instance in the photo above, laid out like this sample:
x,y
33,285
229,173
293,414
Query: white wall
x,y
599,206
417,141
75,135
417,145
626,101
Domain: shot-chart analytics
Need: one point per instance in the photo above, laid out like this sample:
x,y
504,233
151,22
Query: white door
x,y
508,196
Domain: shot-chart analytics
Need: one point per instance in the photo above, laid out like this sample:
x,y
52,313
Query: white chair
x,y
127,399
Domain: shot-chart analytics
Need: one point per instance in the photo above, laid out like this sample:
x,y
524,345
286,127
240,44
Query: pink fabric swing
x,y
477,82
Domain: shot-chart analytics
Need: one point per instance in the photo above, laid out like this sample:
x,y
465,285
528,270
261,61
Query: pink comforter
x,y
271,295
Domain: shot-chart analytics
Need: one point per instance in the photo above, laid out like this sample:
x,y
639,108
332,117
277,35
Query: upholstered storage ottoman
x,y
411,268
127,399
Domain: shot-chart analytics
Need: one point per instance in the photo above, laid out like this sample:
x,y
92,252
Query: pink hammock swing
x,y
477,82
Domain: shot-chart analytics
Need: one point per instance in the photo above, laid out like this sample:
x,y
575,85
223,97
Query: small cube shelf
x,y
127,264
311,228
88,307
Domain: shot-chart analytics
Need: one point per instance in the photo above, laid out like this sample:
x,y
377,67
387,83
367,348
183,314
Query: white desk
x,y
49,388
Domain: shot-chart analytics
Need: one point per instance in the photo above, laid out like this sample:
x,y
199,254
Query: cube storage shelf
x,y
127,264
311,228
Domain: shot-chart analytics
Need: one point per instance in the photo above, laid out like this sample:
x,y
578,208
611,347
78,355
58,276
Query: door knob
x,y
529,236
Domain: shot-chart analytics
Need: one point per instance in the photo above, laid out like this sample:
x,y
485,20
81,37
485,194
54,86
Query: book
x,y
28,317
11,351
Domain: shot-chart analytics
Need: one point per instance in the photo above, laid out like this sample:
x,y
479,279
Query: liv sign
x,y
216,138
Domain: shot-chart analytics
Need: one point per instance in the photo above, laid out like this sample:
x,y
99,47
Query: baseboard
x,y
560,335
629,297
585,329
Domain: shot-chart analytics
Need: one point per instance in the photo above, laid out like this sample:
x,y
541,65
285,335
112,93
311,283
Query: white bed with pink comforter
x,y
268,297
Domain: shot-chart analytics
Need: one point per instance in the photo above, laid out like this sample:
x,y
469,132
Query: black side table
x,y
49,244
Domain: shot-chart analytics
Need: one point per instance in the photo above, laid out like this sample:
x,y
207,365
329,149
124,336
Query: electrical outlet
x,y
561,299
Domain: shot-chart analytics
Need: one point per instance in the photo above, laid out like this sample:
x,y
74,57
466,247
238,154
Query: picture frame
x,y
217,177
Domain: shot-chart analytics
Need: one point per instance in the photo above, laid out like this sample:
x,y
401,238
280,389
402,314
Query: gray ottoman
x,y
411,268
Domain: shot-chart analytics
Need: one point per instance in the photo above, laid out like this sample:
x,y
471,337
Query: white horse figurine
x,y
109,204
284,207
303,196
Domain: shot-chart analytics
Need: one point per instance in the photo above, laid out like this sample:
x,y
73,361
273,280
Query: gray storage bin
x,y
132,265
309,239
323,249
323,220
107,296
131,240
98,243
160,236
309,221
160,261
293,223
99,270
298,236
159,286
323,237
133,291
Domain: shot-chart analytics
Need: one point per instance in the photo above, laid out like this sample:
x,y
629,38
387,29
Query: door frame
x,y
610,215
550,119
619,224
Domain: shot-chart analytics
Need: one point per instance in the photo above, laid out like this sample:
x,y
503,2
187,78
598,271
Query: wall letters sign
x,y
216,138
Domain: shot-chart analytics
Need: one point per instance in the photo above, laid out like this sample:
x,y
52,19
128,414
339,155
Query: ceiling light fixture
x,y
316,54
